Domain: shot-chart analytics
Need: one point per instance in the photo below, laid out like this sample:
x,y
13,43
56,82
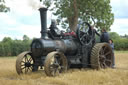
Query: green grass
x,y
121,51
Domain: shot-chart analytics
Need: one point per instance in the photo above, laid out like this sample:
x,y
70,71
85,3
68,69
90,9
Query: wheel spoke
x,y
61,68
105,66
26,70
26,58
22,65
30,59
23,68
22,62
29,69
102,57
57,71
81,39
101,64
52,70
107,53
108,60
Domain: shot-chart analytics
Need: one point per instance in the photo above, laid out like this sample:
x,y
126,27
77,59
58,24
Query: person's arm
x,y
97,33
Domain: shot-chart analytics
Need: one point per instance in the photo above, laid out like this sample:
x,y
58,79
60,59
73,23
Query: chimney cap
x,y
43,9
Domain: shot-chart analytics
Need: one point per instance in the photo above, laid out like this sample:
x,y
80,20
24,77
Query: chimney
x,y
43,16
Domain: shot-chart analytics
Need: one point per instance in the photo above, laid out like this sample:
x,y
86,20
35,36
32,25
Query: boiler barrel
x,y
41,47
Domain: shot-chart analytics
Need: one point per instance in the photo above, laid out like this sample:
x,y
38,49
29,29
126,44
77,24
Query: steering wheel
x,y
84,33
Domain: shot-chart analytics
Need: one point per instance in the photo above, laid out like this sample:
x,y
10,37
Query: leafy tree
x,y
114,36
121,44
25,38
6,46
1,49
125,36
3,7
6,39
26,42
69,12
17,47
9,47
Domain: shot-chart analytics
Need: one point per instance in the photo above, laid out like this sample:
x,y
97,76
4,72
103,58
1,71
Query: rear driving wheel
x,y
55,63
101,56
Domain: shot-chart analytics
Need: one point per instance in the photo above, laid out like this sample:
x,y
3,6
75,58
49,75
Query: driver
x,y
94,32
55,32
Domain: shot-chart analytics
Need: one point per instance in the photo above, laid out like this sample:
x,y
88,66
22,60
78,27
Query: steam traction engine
x,y
56,51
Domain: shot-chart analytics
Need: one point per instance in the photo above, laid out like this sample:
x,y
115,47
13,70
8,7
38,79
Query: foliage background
x,y
9,47
120,42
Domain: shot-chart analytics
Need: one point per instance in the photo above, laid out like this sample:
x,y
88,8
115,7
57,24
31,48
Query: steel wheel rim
x,y
26,64
56,65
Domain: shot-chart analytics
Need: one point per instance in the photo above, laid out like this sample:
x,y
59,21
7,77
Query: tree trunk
x,y
73,20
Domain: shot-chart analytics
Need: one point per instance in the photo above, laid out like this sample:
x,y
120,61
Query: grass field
x,y
118,76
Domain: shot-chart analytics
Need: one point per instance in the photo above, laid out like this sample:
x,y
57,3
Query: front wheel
x,y
55,63
101,56
24,63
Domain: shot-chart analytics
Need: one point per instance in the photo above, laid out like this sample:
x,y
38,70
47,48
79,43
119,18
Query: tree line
x,y
9,47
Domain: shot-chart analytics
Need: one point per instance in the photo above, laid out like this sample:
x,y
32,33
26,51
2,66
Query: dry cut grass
x,y
118,76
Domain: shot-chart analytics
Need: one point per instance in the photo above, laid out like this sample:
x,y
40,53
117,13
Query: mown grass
x,y
118,76
121,52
